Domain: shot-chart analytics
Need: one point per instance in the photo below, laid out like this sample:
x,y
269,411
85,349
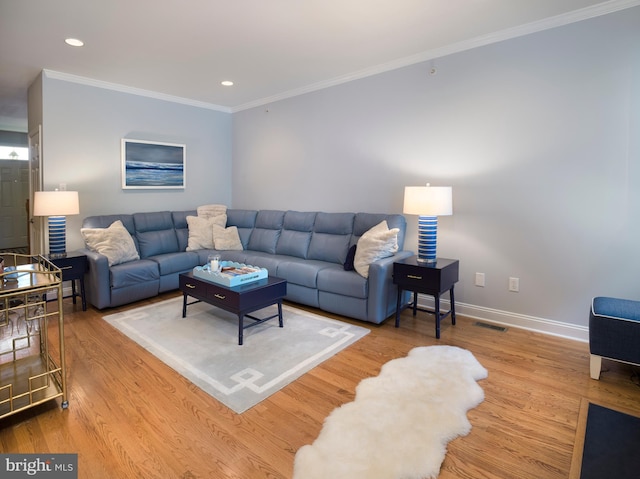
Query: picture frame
x,y
153,165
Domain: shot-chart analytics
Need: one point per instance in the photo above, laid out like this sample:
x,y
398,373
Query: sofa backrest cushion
x,y
156,234
310,235
264,236
365,221
296,233
330,238
182,227
244,220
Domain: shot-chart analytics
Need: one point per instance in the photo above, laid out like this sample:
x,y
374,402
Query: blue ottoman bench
x,y
614,332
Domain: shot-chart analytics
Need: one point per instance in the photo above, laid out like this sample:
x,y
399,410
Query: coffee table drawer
x,y
197,289
222,297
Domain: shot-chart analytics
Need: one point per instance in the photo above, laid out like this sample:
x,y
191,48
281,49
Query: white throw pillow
x,y
114,242
227,238
377,243
200,233
213,211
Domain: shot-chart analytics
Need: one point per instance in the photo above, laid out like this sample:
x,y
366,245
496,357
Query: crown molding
x,y
586,13
131,90
483,40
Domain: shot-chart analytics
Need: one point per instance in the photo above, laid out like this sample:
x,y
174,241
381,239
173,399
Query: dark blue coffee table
x,y
240,300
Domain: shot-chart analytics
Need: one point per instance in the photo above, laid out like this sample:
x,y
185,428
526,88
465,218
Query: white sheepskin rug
x,y
400,422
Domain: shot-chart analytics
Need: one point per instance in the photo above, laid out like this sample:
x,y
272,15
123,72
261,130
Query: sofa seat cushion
x,y
300,271
615,308
346,283
229,255
176,262
134,272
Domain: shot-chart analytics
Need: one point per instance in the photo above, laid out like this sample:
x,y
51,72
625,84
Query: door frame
x,y
36,229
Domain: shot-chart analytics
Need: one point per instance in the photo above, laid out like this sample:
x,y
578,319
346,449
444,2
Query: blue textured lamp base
x,y
427,236
57,236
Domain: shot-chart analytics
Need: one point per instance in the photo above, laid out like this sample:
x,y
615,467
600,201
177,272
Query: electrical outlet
x,y
514,284
480,279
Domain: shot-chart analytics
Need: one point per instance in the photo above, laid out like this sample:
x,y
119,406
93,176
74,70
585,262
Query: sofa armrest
x,y
97,279
383,294
614,329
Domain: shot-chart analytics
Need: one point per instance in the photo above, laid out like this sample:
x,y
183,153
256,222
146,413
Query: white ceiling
x,y
271,49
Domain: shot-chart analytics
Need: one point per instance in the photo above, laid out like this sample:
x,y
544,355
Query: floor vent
x,y
490,326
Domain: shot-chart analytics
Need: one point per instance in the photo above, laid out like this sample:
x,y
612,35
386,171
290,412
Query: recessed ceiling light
x,y
74,42
227,83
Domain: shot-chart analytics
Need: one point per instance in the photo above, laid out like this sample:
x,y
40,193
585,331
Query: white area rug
x,y
400,422
203,347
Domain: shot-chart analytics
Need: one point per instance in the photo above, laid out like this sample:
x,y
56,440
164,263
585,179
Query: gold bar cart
x,y
32,357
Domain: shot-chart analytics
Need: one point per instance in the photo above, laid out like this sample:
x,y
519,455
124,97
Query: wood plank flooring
x,y
130,416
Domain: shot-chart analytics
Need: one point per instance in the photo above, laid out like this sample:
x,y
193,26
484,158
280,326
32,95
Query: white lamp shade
x,y
428,200
56,203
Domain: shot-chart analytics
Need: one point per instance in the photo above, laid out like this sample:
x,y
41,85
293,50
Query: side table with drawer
x,y
73,267
433,279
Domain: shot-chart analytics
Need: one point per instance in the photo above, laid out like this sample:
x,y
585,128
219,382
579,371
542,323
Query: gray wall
x,y
82,131
537,135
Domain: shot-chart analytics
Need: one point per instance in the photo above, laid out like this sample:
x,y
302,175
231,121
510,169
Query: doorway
x,y
14,193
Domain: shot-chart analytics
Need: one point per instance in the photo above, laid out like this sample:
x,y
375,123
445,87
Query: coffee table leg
x,y
240,328
280,314
184,305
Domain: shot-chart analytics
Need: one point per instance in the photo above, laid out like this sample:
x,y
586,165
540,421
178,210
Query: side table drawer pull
x,y
190,286
413,276
219,296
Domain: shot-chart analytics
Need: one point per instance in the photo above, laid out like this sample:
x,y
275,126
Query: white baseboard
x,y
66,292
490,315
514,320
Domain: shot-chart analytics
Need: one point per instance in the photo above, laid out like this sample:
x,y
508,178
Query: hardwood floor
x,y
130,416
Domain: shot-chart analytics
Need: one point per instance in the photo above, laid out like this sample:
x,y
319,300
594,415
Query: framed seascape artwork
x,y
149,164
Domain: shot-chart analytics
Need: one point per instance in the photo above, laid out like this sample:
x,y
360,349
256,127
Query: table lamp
x,y
56,205
428,202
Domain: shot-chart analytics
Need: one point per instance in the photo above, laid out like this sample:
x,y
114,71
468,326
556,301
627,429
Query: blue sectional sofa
x,y
308,249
